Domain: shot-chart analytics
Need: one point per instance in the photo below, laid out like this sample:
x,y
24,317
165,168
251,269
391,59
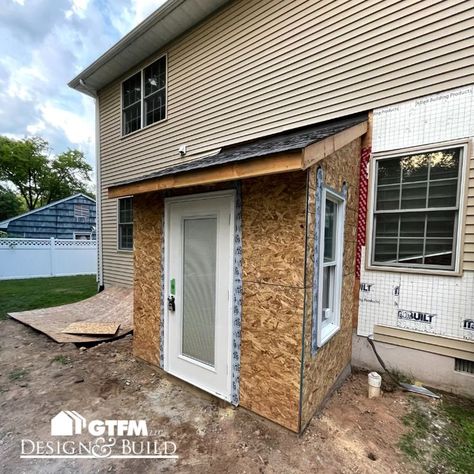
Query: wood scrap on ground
x,y
88,328
112,306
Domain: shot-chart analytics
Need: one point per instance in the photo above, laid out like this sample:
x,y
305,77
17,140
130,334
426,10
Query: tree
x,y
10,204
69,173
38,178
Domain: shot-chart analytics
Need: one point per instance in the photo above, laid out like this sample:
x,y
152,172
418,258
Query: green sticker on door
x,y
173,287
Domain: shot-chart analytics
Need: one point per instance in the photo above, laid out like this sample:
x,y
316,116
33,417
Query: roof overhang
x,y
167,23
280,162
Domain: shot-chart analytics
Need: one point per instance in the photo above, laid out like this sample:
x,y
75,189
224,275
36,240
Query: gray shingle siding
x,y
56,221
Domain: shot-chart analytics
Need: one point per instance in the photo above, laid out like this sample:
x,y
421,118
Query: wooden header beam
x,y
273,164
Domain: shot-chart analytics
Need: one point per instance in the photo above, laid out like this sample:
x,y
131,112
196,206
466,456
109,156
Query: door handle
x,y
171,304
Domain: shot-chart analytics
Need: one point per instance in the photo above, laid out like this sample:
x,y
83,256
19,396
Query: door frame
x,y
192,198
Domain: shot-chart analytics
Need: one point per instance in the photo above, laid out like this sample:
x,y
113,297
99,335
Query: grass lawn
x,y
34,293
441,435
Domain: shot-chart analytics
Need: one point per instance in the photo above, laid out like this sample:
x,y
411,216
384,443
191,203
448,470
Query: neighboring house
x,y
232,143
69,218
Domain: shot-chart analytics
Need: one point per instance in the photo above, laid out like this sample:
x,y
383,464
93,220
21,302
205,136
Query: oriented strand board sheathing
x,y
322,370
101,329
273,234
148,212
111,305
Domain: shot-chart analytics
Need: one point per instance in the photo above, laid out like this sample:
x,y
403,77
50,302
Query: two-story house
x,y
233,140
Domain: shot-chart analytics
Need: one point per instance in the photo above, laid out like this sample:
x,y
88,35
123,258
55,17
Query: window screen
x,y
416,209
155,91
125,224
131,103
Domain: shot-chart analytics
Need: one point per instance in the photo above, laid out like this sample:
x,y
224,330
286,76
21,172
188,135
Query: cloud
x,y
43,45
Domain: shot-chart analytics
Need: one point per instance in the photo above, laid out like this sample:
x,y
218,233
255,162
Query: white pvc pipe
x,y
375,381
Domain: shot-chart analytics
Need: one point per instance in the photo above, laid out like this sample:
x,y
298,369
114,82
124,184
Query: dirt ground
x,y
39,378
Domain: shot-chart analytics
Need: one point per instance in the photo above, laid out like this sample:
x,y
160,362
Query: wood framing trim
x,y
273,164
320,150
227,172
426,342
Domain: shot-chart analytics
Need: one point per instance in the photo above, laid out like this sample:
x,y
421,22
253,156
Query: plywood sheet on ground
x,y
88,328
113,305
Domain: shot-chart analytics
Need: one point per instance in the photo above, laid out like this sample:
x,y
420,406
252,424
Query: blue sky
x,y
43,45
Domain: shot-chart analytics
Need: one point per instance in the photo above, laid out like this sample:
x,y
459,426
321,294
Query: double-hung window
x,y
330,265
125,224
416,209
144,97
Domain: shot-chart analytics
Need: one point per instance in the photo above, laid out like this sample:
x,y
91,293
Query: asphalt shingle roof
x,y
289,141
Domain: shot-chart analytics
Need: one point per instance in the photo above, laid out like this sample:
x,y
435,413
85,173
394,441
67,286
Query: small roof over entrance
x,y
288,151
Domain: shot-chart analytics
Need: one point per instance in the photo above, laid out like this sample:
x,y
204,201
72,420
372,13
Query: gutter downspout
x,y
100,270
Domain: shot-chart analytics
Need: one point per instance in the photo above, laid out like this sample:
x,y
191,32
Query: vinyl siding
x,y
257,68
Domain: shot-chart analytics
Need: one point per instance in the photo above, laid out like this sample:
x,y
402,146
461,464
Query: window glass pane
x,y
410,251
386,225
155,76
440,224
444,164
131,90
155,107
388,171
415,168
199,285
126,210
439,251
126,236
388,197
330,231
385,250
414,196
429,180
443,193
131,118
412,225
328,288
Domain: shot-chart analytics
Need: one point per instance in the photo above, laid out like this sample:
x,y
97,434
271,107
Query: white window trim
x,y
120,249
460,222
82,233
142,98
326,332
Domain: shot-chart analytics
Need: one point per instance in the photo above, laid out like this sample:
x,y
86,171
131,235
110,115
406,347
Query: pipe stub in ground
x,y
375,382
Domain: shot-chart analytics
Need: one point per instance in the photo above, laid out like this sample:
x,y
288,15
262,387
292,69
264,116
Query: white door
x,y
198,283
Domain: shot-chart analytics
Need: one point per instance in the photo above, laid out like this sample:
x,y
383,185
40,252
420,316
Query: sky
x,y
43,45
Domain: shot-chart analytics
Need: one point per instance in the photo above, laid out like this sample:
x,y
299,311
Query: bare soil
x,y
39,378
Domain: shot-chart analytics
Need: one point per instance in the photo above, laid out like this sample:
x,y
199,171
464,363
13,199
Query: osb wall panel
x,y
148,212
321,371
273,236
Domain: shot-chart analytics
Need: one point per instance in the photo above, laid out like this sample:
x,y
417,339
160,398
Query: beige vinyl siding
x,y
261,67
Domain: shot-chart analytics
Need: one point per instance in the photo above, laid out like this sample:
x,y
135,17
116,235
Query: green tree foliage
x,y
39,178
10,204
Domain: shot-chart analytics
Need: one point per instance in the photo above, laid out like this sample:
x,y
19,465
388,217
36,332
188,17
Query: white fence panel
x,y
30,258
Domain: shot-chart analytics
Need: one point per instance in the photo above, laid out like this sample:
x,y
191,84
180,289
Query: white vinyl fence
x,y
30,258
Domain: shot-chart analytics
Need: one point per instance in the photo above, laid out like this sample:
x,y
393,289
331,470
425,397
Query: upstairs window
x,y
144,97
155,91
416,209
132,103
125,224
